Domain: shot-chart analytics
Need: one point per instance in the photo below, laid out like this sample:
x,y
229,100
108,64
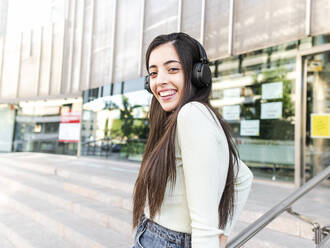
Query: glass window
x,y
254,93
134,85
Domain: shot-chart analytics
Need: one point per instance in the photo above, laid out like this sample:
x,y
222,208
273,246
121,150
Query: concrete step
x,y
68,226
121,176
92,191
272,239
21,231
8,237
5,243
285,223
51,191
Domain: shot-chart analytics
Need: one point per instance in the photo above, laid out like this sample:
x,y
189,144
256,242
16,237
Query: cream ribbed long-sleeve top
x,y
202,160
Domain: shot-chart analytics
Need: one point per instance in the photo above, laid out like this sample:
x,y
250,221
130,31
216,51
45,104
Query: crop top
x,y
202,160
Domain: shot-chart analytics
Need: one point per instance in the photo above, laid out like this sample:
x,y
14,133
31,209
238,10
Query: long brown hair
x,y
158,163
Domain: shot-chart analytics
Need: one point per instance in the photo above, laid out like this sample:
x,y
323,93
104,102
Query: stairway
x,y
61,201
43,205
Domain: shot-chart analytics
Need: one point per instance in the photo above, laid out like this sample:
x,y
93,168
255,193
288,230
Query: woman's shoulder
x,y
192,108
195,111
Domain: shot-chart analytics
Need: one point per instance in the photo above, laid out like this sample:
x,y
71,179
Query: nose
x,y
162,77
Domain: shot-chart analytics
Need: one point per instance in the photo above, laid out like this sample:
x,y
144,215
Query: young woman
x,y
191,184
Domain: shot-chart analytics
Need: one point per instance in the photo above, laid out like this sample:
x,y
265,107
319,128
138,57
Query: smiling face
x,y
166,76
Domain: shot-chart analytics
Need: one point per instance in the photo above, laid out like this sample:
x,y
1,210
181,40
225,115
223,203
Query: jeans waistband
x,y
180,238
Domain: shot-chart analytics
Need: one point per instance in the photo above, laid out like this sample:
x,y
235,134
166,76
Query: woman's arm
x,y
242,189
205,158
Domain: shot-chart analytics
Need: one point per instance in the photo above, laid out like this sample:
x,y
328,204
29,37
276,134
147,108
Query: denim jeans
x,y
152,235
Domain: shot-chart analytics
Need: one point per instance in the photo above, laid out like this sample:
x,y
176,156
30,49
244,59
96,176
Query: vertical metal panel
x,y
57,59
303,120
29,64
308,17
102,45
141,32
46,59
263,23
202,22
87,45
67,48
320,21
231,27
299,145
191,18
216,28
77,46
82,73
31,43
160,18
19,66
179,15
91,47
40,59
66,84
113,39
128,42
51,61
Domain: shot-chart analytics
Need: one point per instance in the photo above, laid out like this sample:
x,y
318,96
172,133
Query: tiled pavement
x,y
61,201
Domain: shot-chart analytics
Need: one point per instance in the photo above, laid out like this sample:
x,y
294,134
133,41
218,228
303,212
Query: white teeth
x,y
167,93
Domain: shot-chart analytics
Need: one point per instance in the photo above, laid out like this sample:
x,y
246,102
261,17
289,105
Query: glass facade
x,y
37,127
254,92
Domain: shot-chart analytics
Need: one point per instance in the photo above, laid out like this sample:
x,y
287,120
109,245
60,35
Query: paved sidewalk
x,y
86,202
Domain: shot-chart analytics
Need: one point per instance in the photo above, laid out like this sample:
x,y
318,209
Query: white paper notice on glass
x,y
232,93
271,110
272,90
250,127
69,132
231,113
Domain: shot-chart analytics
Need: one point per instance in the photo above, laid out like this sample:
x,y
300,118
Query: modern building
x,y
271,78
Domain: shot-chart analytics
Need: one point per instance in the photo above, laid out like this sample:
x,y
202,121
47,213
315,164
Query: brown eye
x,y
152,74
173,69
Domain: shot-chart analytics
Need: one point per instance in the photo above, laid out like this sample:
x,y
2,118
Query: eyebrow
x,y
166,63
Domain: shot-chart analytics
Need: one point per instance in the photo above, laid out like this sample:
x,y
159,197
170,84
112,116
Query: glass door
x,y
317,119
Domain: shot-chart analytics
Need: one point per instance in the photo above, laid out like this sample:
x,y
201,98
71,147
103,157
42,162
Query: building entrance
x,y
317,143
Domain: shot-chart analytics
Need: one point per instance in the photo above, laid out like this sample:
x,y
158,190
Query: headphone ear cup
x,y
147,84
206,76
195,79
201,75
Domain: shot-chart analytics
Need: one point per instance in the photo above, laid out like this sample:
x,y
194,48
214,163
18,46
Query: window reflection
x,y
116,125
254,93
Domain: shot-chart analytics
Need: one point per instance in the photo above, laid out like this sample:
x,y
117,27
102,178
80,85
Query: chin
x,y
168,107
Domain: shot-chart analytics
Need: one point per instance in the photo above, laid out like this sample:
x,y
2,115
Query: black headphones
x,y
201,73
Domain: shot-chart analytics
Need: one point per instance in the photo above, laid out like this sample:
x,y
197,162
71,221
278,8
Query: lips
x,y
167,94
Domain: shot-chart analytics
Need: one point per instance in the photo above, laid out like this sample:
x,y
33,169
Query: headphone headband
x,y
201,49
